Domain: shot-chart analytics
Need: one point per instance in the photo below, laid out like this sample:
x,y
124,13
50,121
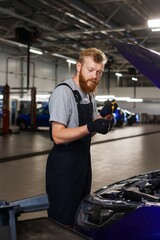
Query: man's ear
x,y
78,66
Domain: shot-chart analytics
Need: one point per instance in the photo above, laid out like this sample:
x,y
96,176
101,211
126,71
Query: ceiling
x,y
67,26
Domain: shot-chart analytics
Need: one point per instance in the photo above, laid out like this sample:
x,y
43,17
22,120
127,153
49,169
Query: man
x,y
72,116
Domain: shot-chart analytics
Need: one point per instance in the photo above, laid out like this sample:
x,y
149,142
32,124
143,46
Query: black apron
x,y
68,171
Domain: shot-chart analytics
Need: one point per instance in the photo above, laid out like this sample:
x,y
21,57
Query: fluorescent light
x,y
1,96
36,51
155,29
71,61
118,74
42,96
59,55
102,98
122,98
154,23
134,79
135,100
39,97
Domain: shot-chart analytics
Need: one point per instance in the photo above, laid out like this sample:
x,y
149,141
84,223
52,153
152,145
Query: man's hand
x,y
109,108
99,125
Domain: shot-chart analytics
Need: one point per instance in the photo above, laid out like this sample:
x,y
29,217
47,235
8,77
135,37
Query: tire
x,y
119,123
22,125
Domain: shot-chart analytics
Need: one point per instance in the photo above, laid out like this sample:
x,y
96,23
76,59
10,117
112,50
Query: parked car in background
x,y
130,118
127,210
42,118
118,117
123,117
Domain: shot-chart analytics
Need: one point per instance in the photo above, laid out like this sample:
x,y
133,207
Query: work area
x,y
79,120
124,152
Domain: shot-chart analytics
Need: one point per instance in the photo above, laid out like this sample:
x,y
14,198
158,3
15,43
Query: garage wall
x,y
45,73
15,71
150,94
141,92
149,108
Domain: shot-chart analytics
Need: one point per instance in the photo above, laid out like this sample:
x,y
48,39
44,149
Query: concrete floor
x,y
122,153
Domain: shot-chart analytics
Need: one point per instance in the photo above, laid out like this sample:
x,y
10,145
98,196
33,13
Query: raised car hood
x,y
145,60
140,189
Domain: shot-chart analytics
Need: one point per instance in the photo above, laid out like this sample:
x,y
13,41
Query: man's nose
x,y
94,74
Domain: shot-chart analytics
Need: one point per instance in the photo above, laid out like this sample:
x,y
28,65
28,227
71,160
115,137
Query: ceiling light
x,y
118,74
42,96
134,79
71,61
59,55
135,100
154,24
102,98
155,29
122,98
36,51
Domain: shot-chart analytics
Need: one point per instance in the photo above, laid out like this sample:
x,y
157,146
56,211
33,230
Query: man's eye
x,y
99,73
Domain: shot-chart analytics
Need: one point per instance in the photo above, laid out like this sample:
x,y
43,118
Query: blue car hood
x,y
145,60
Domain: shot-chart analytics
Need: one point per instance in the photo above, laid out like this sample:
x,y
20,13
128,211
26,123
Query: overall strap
x,y
76,94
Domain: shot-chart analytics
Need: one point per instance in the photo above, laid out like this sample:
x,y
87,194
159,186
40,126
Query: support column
x,y
33,108
6,112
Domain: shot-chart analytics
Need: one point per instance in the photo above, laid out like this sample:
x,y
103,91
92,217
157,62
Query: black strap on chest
x,y
76,94
77,97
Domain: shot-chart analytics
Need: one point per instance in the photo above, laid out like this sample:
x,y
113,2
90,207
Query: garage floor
x,y
122,153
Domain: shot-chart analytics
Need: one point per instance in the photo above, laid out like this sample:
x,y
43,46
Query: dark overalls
x,y
68,172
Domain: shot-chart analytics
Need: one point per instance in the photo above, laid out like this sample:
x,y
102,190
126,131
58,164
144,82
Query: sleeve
x,y
59,105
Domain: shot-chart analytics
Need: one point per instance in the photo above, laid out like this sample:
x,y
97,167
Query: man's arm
x,y
61,134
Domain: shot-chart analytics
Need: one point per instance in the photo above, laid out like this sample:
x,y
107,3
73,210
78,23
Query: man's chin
x,y
89,86
91,89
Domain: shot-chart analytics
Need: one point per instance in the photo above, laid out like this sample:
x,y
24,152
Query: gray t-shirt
x,y
63,107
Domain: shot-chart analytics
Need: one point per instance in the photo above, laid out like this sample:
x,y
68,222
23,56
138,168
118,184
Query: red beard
x,y
87,85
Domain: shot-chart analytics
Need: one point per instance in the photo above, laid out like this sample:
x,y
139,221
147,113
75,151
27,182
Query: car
x,y
130,118
118,117
42,118
127,210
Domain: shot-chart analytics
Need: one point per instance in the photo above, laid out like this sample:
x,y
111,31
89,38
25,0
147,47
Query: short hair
x,y
97,54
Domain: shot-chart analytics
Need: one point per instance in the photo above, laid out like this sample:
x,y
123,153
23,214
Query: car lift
x,y
6,109
38,228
